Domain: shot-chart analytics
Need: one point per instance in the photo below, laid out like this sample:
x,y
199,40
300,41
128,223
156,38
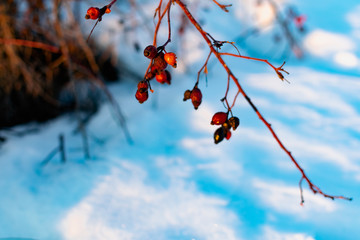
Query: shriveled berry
x,y
92,13
234,122
163,77
196,97
159,62
187,94
150,51
219,135
142,86
170,58
141,96
228,135
150,75
219,118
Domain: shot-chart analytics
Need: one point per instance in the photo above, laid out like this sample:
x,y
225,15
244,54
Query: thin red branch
x,y
110,4
201,69
278,70
234,101
227,86
226,93
169,25
92,30
222,6
161,16
218,55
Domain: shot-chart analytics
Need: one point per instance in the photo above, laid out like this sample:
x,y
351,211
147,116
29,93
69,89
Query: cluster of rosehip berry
x,y
221,118
160,59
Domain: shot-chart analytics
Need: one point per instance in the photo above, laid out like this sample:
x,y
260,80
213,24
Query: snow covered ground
x,y
173,182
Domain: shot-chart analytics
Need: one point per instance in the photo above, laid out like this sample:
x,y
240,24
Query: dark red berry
x,y
228,135
142,86
196,97
163,77
150,75
219,135
234,122
141,96
159,62
187,94
92,13
150,51
226,125
219,118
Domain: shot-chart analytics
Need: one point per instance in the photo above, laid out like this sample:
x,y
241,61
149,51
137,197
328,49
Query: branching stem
x,y
222,6
278,70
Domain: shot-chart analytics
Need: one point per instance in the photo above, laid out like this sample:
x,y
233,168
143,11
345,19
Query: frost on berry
x,y
170,58
141,96
196,97
163,77
219,118
150,52
92,13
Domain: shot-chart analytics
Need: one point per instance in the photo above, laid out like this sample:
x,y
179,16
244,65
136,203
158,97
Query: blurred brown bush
x,y
43,53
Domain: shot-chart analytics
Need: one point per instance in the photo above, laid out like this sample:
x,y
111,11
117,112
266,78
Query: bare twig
x,y
222,6
278,70
59,149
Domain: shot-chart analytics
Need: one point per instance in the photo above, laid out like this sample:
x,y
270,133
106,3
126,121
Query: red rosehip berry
x,y
159,62
141,96
187,95
234,122
143,86
150,51
150,75
219,118
92,13
163,77
219,135
196,97
170,58
228,135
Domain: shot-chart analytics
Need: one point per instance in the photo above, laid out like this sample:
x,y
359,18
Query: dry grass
x,y
42,50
